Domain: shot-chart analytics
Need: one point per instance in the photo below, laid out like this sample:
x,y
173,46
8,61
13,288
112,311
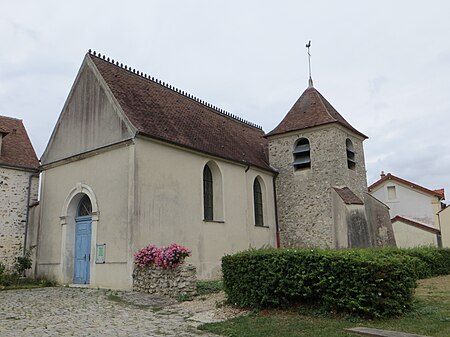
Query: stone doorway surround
x,y
68,225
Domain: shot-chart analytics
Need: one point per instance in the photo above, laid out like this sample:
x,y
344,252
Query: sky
x,y
384,65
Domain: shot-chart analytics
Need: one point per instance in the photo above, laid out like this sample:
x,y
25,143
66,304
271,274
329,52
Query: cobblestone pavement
x,y
66,311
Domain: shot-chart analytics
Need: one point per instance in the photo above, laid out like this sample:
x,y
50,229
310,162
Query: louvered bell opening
x,y
302,160
350,155
301,154
351,163
301,148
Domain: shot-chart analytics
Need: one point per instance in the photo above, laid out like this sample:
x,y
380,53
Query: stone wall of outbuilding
x,y
13,211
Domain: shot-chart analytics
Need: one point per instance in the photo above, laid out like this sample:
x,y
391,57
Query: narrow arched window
x,y
84,207
207,194
302,154
258,203
351,163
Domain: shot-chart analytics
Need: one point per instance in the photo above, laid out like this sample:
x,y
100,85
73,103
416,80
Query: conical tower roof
x,y
311,110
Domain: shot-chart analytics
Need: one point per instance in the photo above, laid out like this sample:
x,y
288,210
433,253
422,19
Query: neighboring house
x,y
134,161
444,225
413,210
19,181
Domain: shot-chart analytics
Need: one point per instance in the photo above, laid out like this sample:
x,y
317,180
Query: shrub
x,y
172,256
146,256
431,261
209,287
361,282
22,263
165,258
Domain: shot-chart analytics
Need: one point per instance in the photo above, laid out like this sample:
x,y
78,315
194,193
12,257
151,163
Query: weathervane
x,y
308,45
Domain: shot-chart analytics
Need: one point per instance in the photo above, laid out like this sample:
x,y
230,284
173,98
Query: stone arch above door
x,y
73,198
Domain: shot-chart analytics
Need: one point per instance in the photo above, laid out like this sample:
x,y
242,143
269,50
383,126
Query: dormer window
x,y
351,163
302,157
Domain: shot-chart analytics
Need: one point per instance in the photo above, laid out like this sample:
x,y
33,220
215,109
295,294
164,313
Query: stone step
x,y
382,333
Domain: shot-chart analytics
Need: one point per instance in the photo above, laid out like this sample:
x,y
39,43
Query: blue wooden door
x,y
82,251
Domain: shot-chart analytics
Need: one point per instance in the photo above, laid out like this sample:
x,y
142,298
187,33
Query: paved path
x,y
90,312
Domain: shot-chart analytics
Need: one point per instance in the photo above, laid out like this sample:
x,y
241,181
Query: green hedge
x,y
373,283
432,261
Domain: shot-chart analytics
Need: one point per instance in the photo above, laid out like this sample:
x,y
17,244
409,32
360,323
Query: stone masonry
x,y
180,281
304,196
13,211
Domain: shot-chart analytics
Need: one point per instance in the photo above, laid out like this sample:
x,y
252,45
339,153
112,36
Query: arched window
x,y
258,203
208,204
351,163
302,158
84,206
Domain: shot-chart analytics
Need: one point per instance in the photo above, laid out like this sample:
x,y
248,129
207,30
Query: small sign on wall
x,y
100,253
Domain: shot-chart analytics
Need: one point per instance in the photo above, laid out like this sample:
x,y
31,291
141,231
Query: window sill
x,y
259,226
214,221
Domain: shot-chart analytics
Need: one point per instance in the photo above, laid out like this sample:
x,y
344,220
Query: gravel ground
x,y
62,311
208,309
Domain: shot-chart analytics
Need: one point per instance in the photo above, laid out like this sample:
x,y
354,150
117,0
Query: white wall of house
x,y
107,178
408,236
168,202
408,202
148,192
444,220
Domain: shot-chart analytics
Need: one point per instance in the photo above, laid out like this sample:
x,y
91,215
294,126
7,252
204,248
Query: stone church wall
x,y
304,196
13,211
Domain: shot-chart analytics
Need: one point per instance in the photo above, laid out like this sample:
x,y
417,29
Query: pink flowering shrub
x,y
164,258
172,256
146,257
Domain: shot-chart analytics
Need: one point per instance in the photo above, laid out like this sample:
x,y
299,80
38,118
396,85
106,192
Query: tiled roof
x,y
163,112
415,224
441,192
16,149
311,110
348,196
437,193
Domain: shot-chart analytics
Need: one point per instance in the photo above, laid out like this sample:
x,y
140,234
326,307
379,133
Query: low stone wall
x,y
180,281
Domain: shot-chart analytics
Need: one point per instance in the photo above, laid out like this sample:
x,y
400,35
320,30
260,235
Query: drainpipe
x,y
27,219
276,212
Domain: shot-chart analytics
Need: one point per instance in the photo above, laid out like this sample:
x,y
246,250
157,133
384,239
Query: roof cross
x,y
308,45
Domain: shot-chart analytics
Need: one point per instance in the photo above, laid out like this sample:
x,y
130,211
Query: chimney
x,y
382,175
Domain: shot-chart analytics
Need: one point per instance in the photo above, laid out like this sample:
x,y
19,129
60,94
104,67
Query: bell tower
x,y
317,153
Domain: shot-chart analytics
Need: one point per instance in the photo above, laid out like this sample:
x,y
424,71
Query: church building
x,y
133,160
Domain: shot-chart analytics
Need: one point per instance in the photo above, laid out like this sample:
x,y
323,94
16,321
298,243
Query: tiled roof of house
x,y
415,224
16,148
440,193
348,196
311,110
162,112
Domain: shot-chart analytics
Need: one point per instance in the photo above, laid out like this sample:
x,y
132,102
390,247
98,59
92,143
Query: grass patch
x,y
429,316
209,287
27,283
115,298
